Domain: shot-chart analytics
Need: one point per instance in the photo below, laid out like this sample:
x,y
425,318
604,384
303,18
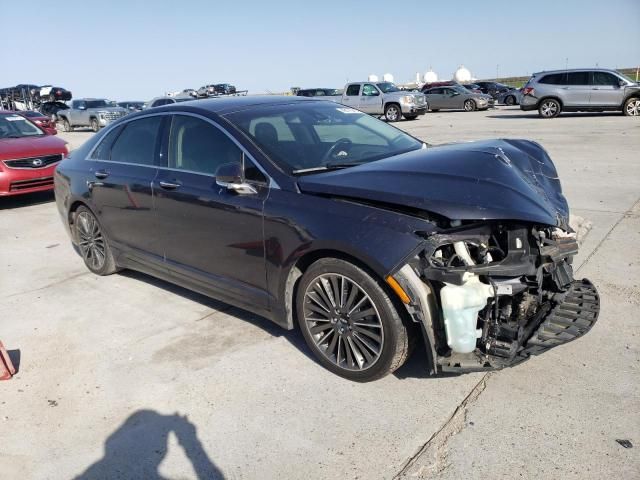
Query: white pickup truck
x,y
383,98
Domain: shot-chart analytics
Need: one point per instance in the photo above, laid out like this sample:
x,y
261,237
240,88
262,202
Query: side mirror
x,y
622,83
231,177
82,107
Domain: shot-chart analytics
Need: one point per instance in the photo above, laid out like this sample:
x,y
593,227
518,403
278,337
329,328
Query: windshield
x,y
97,103
387,87
15,126
308,136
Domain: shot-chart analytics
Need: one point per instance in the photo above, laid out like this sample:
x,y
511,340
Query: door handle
x,y
169,185
101,174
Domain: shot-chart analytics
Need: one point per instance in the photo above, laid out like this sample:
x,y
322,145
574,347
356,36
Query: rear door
x,y
606,90
351,95
123,168
577,90
212,237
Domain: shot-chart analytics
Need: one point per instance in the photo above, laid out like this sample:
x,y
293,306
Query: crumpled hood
x,y
486,180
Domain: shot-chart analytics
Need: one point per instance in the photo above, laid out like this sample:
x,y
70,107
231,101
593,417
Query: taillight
x,y
528,91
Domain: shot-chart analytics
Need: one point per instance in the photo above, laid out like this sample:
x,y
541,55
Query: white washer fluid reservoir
x,y
460,307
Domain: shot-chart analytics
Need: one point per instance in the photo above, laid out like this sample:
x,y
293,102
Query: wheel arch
x,y
550,97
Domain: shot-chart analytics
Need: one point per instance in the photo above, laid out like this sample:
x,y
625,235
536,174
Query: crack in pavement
x,y
436,446
49,285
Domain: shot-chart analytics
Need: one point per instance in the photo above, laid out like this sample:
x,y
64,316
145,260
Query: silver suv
x,y
580,90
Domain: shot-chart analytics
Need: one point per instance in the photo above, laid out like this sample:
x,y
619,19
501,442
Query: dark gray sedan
x,y
456,97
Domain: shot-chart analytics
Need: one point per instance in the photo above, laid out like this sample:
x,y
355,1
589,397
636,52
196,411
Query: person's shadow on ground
x,y
136,449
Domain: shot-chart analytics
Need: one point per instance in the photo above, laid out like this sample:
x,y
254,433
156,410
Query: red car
x,y
38,118
28,155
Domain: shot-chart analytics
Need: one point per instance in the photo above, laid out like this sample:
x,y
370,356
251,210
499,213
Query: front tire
x,y
392,112
349,322
92,243
549,108
469,105
66,126
95,126
632,107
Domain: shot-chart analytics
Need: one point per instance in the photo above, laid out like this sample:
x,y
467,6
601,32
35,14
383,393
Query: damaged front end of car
x,y
489,295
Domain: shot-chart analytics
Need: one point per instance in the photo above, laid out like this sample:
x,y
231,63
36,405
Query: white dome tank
x,y
462,75
387,77
430,76
373,78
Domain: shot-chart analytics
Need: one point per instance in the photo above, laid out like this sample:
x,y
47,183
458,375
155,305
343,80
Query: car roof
x,y
221,106
569,70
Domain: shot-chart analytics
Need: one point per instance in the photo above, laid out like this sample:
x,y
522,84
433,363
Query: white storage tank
x,y
387,77
462,75
430,77
373,78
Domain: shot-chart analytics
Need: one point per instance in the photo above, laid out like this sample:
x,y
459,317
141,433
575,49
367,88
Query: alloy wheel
x,y
633,108
549,109
469,105
343,322
392,113
91,241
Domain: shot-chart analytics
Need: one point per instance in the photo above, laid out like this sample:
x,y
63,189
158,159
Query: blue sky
x,y
137,50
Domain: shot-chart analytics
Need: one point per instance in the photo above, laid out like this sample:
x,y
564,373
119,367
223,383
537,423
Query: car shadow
x,y
137,448
26,200
292,336
562,115
415,367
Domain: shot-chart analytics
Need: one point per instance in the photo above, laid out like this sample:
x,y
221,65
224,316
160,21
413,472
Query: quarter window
x,y
553,79
353,90
198,146
137,142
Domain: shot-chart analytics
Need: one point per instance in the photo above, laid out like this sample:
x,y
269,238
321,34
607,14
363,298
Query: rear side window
x,y
578,78
137,142
198,146
553,79
103,150
353,90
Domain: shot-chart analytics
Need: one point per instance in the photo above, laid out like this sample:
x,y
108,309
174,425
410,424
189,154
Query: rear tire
x,y
92,243
632,107
392,112
549,108
469,105
349,322
95,126
510,100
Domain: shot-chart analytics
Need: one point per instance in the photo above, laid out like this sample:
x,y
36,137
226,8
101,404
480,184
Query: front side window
x,y
353,90
605,78
320,135
200,147
137,142
369,90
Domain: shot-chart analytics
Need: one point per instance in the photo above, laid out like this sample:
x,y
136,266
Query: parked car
x,y
320,217
39,119
383,98
51,109
510,97
472,87
493,88
190,92
48,93
206,91
319,92
456,98
443,83
161,101
130,106
224,89
580,90
28,155
89,112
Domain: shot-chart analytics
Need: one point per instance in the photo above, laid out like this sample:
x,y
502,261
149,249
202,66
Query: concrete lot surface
x,y
129,377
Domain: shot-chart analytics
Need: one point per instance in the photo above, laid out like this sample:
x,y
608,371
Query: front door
x,y
212,237
606,90
370,100
123,167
